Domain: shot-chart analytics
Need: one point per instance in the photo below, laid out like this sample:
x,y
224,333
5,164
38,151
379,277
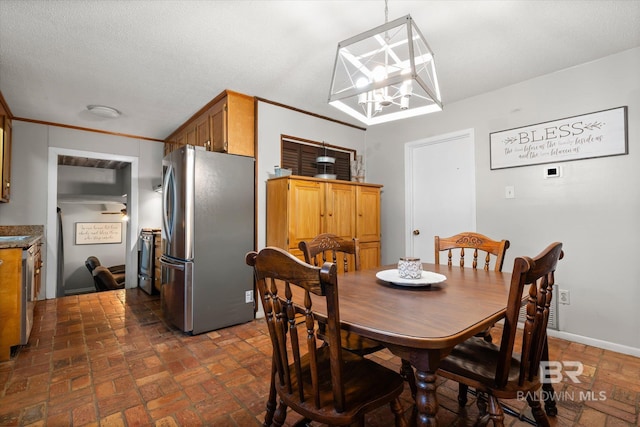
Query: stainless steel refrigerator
x,y
208,227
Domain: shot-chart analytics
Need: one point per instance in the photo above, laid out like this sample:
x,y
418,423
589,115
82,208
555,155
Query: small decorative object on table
x,y
410,268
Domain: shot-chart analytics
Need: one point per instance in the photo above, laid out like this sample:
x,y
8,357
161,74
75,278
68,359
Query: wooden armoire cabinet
x,y
299,208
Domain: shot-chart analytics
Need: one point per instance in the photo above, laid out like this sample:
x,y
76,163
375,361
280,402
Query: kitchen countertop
x,y
30,235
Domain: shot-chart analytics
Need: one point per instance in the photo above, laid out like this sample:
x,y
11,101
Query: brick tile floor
x,y
108,359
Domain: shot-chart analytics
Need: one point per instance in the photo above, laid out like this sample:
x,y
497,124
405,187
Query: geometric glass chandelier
x,y
387,73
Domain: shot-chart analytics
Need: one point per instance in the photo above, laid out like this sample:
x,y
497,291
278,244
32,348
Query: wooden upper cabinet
x,y
299,208
202,132
5,156
226,124
232,123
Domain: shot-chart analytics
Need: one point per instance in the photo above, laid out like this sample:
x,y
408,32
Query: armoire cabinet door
x,y
306,211
368,217
369,255
340,210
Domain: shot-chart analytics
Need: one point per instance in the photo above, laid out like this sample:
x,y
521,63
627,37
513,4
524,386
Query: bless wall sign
x,y
603,133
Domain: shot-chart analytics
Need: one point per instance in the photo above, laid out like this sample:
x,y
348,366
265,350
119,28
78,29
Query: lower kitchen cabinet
x,y
10,300
20,280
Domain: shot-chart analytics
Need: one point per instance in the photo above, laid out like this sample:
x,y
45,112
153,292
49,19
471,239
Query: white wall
x,y
30,180
76,276
593,209
274,121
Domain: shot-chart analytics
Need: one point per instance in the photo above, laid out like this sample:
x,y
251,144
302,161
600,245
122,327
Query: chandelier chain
x,y
386,11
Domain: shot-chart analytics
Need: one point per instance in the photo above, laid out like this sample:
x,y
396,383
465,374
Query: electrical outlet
x,y
563,296
248,296
509,192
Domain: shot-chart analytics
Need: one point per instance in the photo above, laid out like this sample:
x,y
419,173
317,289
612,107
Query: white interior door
x,y
440,185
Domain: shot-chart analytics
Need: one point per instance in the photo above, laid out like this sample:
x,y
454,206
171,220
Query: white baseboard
x,y
79,291
619,348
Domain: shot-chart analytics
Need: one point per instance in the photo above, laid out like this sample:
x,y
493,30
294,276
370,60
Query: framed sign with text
x,y
95,233
599,134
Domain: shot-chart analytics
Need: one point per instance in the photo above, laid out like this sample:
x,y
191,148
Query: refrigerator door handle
x,y
170,264
169,179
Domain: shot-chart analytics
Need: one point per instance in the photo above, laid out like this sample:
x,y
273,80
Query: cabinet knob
x,y
8,184
416,232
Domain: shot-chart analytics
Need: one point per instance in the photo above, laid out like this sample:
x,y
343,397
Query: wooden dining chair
x,y
498,371
329,247
475,243
345,254
323,383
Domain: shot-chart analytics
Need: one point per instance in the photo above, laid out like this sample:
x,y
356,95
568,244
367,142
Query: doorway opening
x,y
53,287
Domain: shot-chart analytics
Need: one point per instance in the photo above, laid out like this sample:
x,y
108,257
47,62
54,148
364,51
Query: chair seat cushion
x,y
104,280
119,277
365,383
476,361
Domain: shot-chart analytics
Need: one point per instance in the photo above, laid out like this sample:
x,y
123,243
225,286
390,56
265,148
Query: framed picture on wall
x,y
98,233
599,134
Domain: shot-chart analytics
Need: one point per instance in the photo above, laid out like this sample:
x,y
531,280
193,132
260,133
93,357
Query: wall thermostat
x,y
552,171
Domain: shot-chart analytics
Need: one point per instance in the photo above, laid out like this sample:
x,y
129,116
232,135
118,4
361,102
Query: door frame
x,y
409,149
131,259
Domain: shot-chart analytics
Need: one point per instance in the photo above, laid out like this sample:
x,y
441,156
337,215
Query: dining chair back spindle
x,y
498,371
475,243
318,380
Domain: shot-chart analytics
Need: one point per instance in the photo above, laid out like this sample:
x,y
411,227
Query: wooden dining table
x,y
422,324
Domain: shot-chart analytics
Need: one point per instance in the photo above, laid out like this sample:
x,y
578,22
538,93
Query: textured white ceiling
x,y
160,61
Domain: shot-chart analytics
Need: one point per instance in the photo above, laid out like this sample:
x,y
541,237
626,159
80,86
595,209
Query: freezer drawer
x,y
176,292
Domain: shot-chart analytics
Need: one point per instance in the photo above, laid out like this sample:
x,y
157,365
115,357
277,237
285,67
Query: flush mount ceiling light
x,y
104,111
387,73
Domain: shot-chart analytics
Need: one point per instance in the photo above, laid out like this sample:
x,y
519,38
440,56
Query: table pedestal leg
x,y
426,399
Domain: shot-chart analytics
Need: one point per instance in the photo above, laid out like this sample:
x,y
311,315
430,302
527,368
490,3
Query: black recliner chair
x,y
104,280
118,271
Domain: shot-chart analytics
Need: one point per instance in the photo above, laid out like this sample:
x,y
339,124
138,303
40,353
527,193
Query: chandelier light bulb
x,y
379,73
362,82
